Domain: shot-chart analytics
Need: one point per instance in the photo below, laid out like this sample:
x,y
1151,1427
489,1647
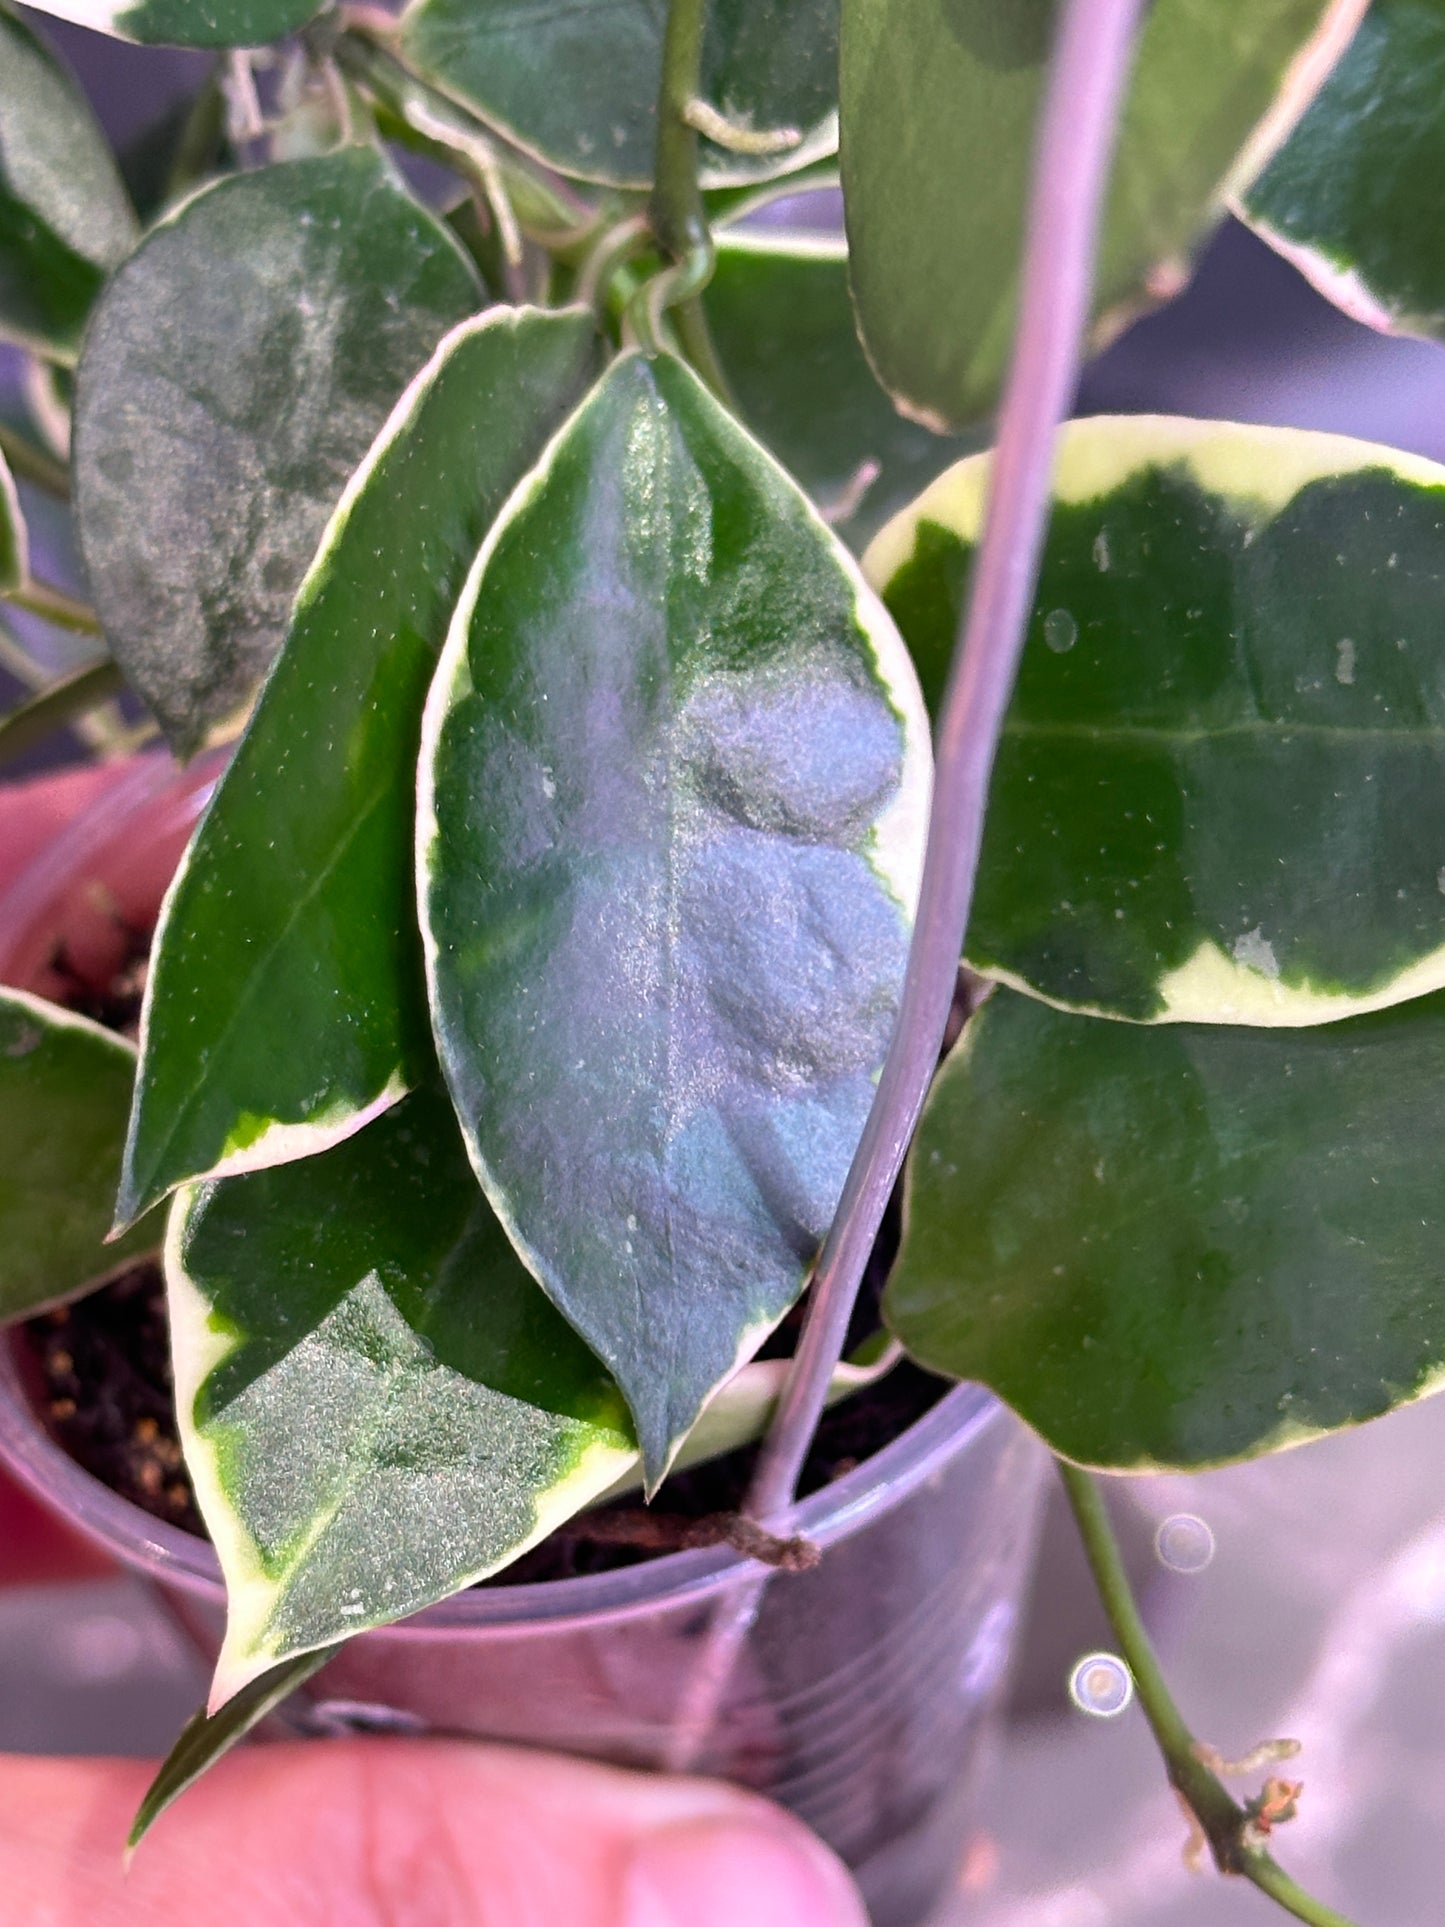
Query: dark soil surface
x,y
106,1368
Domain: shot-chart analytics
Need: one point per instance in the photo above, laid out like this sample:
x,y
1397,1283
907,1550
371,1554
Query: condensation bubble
x,y
1184,1543
1061,631
1101,1684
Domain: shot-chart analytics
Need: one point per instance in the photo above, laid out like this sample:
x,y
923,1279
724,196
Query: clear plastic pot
x,y
861,1695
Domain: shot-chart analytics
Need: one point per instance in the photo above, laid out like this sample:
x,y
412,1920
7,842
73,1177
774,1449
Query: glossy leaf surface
x,y
1217,797
1352,199
188,23
237,369
939,100
1182,1245
286,1003
64,1091
208,1737
578,85
782,321
674,779
14,548
377,1403
64,217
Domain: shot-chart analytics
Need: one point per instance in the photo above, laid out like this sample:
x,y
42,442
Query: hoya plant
x,y
482,436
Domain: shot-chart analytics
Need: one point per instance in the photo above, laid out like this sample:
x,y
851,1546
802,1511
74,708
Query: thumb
x,y
410,1833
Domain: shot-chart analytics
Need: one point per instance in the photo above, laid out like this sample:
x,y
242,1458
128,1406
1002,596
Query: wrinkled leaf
x,y
1352,199
939,100
578,85
378,1405
64,1092
1217,797
208,1737
188,23
236,371
783,324
14,548
674,779
286,1004
64,217
1182,1245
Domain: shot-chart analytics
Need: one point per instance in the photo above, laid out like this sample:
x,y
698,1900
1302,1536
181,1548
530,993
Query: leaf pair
x,y
578,86
675,778
1217,803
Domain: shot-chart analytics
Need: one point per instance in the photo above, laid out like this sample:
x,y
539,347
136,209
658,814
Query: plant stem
x,y
547,212
1225,1823
33,464
678,217
1087,74
55,605
54,708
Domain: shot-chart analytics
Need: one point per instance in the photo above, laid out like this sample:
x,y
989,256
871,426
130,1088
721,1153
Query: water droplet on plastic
x,y
1061,632
1184,1543
1101,551
1101,1684
1345,661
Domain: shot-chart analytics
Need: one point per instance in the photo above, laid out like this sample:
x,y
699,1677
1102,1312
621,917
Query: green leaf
x,y
782,321
1213,795
188,23
64,1092
207,1737
1184,1245
1352,197
236,370
64,217
577,85
378,1405
674,781
14,545
939,100
286,1003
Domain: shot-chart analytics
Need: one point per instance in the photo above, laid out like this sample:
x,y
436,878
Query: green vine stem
x,y
1227,1826
546,212
678,217
30,463
55,605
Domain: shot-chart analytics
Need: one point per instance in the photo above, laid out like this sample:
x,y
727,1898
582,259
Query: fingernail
x,y
767,1872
